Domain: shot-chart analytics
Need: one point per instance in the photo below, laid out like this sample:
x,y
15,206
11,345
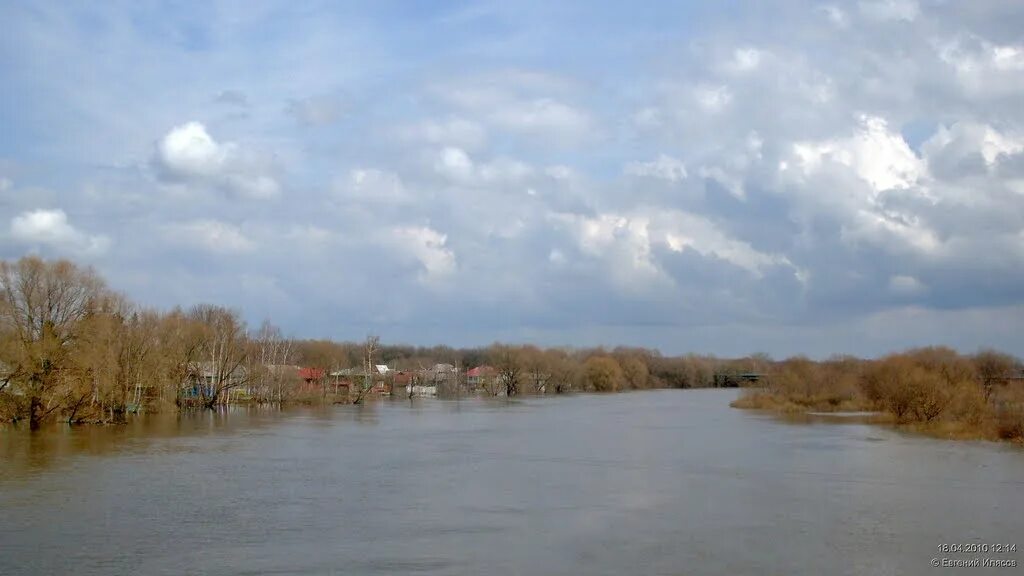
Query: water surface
x,y
666,482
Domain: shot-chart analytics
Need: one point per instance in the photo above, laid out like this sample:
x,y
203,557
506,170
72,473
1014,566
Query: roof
x,y
480,371
311,373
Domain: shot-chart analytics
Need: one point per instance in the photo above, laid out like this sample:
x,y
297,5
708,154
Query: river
x,y
662,482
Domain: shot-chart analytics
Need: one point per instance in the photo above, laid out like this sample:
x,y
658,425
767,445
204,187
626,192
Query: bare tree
x,y
272,356
179,339
223,353
42,308
538,369
563,371
113,362
509,368
370,347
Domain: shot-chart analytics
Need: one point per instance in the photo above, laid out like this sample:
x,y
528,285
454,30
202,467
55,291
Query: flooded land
x,y
658,482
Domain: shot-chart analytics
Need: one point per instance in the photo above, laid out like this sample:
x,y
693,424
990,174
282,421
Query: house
x,y
355,378
438,376
345,379
442,369
311,375
204,379
480,376
439,372
311,379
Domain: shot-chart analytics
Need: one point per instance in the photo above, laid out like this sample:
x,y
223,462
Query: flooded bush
x,y
755,399
602,374
908,389
934,390
796,380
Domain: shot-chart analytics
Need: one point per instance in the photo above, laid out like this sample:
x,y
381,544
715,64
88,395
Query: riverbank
x,y
930,391
990,429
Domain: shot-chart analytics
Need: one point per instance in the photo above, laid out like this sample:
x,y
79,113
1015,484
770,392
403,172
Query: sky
x,y
711,177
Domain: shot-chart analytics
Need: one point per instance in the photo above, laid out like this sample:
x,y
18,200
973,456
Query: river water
x,y
664,482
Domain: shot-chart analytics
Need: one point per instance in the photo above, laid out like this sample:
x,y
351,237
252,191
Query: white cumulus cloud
x,y
189,154
456,165
982,68
429,248
51,228
953,145
875,153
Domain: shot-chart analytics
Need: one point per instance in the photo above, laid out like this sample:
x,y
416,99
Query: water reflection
x,y
25,452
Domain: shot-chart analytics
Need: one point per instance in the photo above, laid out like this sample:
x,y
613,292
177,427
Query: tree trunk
x,y
35,413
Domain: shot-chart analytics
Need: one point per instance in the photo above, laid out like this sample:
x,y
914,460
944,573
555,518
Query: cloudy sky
x,y
786,177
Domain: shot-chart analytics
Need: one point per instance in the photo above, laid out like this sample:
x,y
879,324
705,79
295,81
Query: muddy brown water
x,y
662,482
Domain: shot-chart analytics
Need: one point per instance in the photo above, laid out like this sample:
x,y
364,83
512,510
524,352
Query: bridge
x,y
734,380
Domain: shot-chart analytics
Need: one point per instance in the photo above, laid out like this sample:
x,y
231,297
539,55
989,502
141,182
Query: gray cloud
x,y
740,188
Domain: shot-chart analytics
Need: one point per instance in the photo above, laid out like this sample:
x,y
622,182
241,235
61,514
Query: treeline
x,y
535,367
73,350
934,388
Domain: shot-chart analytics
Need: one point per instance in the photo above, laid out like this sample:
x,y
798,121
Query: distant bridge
x,y
733,380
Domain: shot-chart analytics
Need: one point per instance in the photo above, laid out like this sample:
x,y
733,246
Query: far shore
x,y
931,391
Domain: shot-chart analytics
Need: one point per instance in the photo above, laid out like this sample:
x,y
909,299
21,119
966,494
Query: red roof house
x,y
309,375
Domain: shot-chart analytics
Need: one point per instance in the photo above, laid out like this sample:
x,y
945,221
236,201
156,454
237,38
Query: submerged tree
x,y
270,363
370,347
42,313
223,353
509,367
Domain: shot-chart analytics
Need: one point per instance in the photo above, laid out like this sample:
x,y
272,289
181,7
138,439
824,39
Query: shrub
x,y
635,373
908,390
969,405
602,374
